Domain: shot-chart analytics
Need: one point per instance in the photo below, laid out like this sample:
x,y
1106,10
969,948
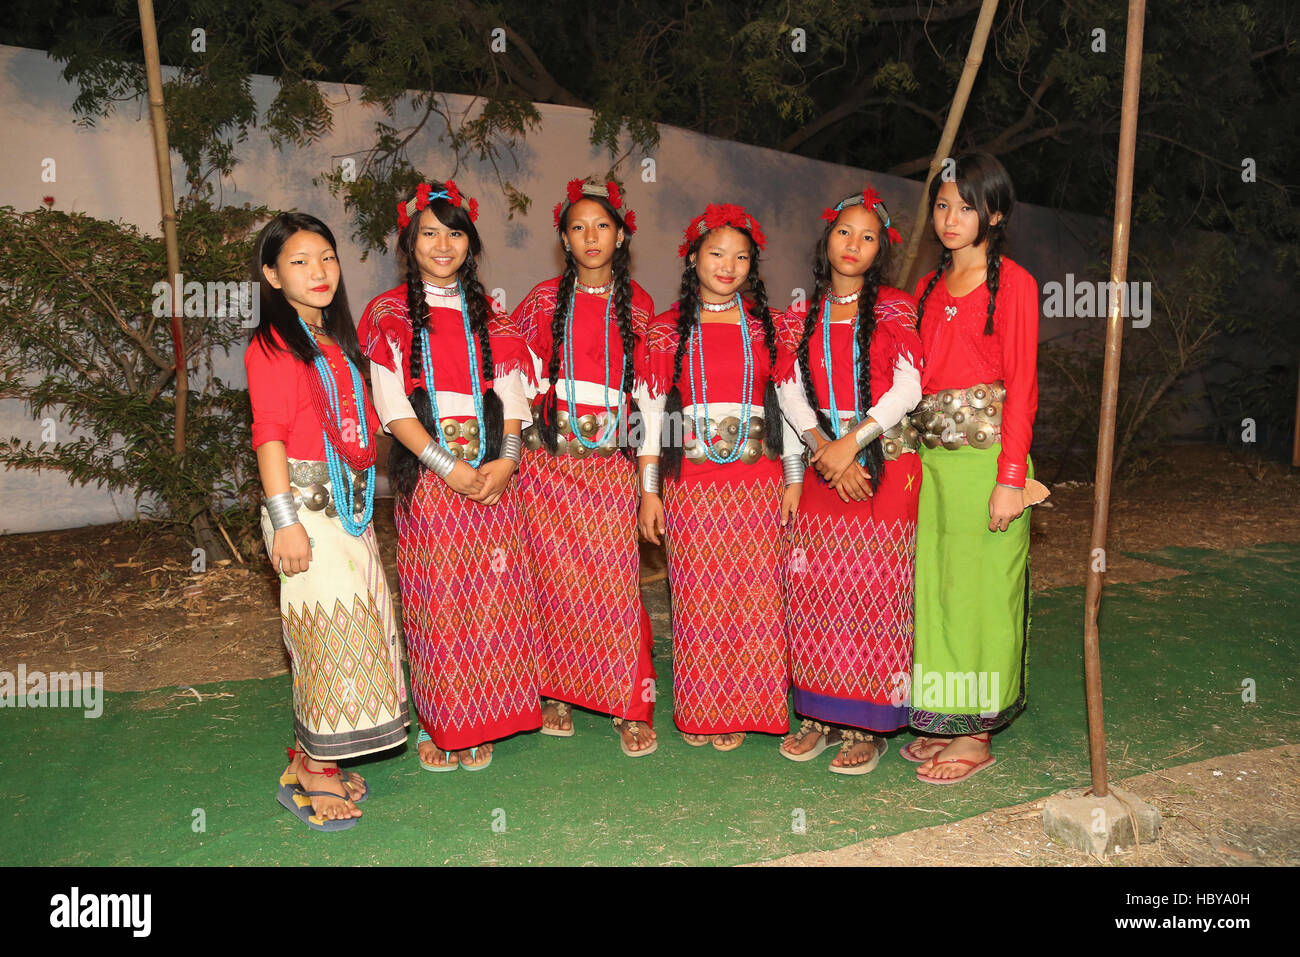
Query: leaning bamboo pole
x,y
1110,394
158,123
974,57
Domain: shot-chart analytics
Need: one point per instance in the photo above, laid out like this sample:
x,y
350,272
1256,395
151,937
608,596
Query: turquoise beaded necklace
x,y
830,373
476,388
611,426
700,389
340,474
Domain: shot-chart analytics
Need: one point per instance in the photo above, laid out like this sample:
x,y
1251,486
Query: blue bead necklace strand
x,y
701,389
476,388
340,473
612,425
830,373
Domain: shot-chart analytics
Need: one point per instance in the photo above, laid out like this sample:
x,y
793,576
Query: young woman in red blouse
x,y
313,429
978,318
726,508
447,368
586,331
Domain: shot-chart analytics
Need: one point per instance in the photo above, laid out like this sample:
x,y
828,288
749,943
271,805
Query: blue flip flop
x,y
424,736
298,803
473,755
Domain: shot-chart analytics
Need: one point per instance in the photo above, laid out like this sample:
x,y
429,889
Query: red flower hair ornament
x,y
870,199
578,189
717,215
424,195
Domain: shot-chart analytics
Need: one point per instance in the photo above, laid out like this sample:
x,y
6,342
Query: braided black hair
x,y
403,465
872,280
984,183
688,300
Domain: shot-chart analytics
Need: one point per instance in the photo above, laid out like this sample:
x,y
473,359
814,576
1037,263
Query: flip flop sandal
x,y
298,803
424,736
853,738
291,779
729,747
635,727
564,710
906,750
473,756
975,768
808,726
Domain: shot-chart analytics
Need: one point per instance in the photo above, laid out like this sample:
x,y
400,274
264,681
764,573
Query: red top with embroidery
x,y
279,389
958,354
386,317
534,318
894,335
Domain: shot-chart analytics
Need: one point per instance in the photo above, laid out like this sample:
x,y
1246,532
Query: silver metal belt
x,y
590,425
898,440
728,432
309,483
956,417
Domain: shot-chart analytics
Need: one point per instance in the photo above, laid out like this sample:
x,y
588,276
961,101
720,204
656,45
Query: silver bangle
x,y
282,510
512,447
1014,488
437,459
650,479
792,466
808,439
867,432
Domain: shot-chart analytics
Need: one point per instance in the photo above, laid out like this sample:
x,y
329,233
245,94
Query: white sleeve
x,y
902,397
794,406
510,388
791,442
652,417
390,397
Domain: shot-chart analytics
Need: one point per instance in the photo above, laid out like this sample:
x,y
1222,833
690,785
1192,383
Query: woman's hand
x,y
790,502
650,518
854,485
291,550
465,479
1005,506
832,459
496,476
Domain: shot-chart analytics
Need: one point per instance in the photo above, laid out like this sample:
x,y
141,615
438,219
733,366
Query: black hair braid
x,y
771,404
945,258
622,295
418,313
875,457
670,456
993,254
548,428
476,304
403,465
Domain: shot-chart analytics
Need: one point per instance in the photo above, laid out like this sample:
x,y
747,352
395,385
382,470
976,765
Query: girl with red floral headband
x,y
850,377
723,508
586,331
448,371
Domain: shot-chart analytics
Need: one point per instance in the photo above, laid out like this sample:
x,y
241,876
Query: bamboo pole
x,y
1110,394
158,123
974,57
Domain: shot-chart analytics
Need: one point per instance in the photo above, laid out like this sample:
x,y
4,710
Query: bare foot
x,y
806,738
637,735
475,757
926,748
557,716
335,805
967,746
434,756
696,740
860,752
729,741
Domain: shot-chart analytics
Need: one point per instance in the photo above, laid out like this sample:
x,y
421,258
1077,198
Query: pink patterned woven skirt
x,y
849,590
468,616
594,639
725,550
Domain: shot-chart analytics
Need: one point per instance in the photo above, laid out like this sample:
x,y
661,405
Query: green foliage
x,y
83,342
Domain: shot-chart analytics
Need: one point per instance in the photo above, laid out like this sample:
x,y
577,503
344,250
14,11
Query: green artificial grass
x,y
124,788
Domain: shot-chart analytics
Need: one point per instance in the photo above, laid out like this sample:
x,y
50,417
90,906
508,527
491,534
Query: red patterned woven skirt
x,y
725,550
849,589
594,639
468,616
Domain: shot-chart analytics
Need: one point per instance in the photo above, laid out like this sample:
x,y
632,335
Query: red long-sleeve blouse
x,y
958,354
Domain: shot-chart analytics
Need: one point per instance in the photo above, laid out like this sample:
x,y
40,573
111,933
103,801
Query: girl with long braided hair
x,y
849,379
586,331
448,370
724,507
978,314
314,432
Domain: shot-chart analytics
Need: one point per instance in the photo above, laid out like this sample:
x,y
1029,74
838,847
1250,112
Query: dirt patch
x,y
127,600
1231,811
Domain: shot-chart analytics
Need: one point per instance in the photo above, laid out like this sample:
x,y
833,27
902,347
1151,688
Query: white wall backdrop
x,y
108,172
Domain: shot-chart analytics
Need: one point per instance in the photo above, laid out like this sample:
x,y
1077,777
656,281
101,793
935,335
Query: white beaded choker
x,y
446,292
844,300
717,306
594,290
